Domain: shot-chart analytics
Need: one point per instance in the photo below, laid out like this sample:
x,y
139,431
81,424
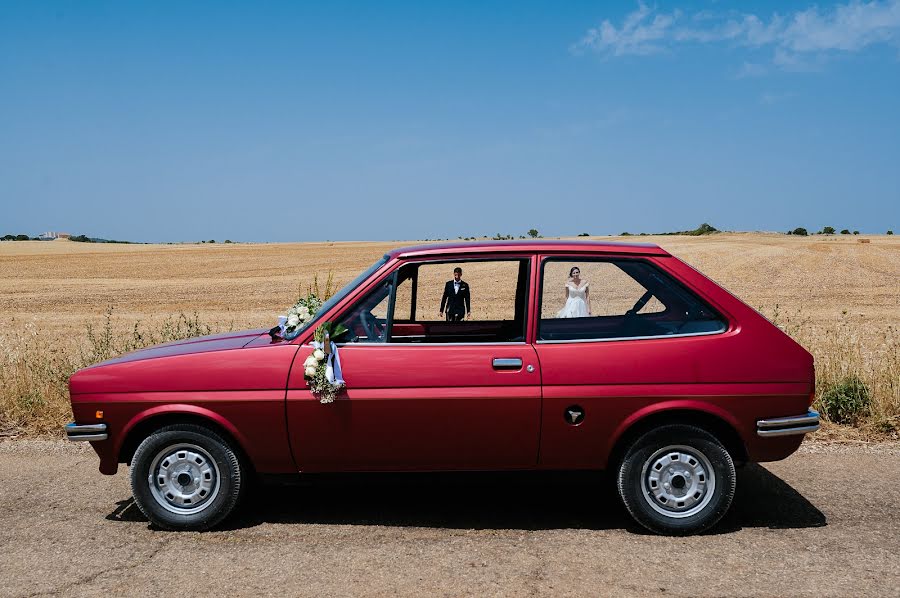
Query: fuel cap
x,y
574,415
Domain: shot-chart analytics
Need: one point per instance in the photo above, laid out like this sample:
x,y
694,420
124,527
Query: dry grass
x,y
838,297
36,366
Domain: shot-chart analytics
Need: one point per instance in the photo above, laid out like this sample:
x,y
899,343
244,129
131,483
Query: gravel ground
x,y
824,522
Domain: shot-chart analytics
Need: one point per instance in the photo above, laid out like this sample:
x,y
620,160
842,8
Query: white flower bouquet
x,y
322,368
300,313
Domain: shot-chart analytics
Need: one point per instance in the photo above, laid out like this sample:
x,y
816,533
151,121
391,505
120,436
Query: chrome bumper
x,y
86,432
786,426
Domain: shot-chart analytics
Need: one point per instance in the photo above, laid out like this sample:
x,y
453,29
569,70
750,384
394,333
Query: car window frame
x,y
446,259
542,262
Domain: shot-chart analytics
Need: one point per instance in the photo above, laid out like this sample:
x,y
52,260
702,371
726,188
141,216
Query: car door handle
x,y
507,363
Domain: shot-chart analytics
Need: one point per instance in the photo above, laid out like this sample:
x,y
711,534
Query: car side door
x,y
418,405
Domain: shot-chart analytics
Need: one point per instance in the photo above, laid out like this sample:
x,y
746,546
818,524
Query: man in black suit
x,y
456,299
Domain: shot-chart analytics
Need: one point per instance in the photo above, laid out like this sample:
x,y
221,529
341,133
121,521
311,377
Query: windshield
x,y
334,299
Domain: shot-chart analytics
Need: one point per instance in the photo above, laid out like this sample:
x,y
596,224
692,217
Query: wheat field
x,y
838,295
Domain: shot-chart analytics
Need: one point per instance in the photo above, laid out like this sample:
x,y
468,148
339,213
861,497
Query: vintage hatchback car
x,y
668,383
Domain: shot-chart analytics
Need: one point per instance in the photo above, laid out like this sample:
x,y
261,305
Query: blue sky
x,y
277,121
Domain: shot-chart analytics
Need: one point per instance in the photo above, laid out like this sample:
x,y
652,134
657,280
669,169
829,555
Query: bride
x,y
578,300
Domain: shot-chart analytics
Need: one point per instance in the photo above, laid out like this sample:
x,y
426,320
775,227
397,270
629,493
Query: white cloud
x,y
849,27
811,32
639,33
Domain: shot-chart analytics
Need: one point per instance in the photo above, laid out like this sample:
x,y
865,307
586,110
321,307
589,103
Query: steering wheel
x,y
370,326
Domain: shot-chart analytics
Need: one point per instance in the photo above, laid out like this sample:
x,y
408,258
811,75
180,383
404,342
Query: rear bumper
x,y
86,432
788,426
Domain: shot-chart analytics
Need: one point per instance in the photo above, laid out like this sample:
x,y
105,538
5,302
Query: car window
x,y
585,299
486,304
609,289
491,289
403,301
366,321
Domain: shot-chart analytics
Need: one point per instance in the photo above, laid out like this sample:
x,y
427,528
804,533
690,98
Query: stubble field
x,y
838,296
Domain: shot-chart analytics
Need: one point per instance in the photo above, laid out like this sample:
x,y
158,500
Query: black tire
x,y
664,483
217,479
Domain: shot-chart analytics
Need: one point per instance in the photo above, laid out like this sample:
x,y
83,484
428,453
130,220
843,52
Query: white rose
x,y
319,354
310,372
310,362
293,320
303,309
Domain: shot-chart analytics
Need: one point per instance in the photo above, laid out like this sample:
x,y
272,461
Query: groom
x,y
456,299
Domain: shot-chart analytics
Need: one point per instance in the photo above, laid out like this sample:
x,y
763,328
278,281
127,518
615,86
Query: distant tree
x,y
23,238
800,231
827,230
533,233
8,238
705,229
845,231
790,232
890,232
81,239
856,232
211,241
584,234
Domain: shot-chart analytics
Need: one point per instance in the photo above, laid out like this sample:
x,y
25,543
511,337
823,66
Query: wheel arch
x,y
144,424
716,424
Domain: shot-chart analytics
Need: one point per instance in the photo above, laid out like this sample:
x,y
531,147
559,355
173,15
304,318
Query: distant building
x,y
50,236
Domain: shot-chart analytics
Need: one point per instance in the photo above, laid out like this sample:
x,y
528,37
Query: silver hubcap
x,y
678,481
184,478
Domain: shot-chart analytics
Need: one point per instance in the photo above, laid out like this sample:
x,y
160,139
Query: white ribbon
x,y
332,369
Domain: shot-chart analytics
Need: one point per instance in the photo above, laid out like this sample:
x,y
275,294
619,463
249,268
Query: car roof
x,y
543,246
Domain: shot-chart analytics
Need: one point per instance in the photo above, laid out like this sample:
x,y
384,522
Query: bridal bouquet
x,y
322,368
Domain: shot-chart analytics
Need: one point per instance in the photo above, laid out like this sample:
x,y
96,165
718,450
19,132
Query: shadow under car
x,y
491,500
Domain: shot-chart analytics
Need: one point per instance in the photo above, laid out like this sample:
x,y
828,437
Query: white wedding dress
x,y
576,305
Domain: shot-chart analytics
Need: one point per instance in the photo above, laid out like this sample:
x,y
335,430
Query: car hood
x,y
200,344
222,362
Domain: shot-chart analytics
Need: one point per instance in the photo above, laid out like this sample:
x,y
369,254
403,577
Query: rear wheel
x,y
677,480
186,477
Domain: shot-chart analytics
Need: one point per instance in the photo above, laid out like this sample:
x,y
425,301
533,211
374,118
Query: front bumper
x,y
86,432
788,426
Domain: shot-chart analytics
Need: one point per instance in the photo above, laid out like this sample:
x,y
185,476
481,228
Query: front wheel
x,y
186,477
677,480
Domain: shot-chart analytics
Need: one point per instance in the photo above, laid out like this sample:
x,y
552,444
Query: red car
x,y
570,355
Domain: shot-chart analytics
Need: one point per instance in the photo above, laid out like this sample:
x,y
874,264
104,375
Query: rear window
x,y
603,299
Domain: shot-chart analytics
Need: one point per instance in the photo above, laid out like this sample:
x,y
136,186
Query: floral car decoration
x,y
322,368
299,314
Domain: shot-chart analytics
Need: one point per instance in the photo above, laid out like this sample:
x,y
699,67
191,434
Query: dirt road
x,y
824,522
